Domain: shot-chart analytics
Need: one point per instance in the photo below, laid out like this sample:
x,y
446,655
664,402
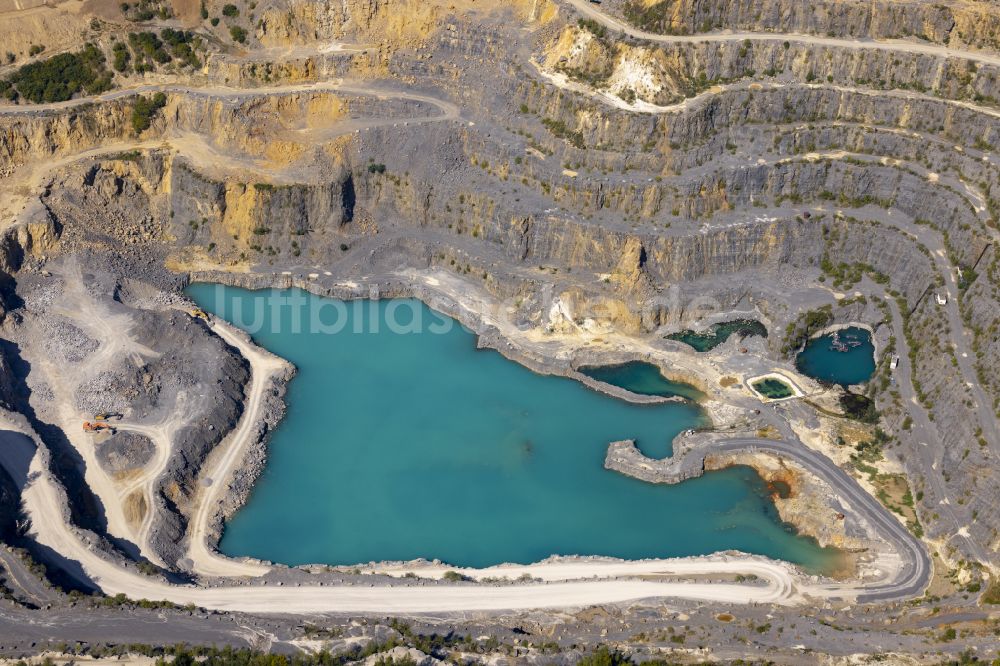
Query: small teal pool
x,y
402,441
719,333
642,378
844,357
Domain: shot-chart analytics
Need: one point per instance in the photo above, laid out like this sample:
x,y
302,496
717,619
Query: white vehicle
x,y
894,362
942,299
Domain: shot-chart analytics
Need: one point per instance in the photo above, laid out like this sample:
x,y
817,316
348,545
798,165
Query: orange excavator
x,y
97,427
198,313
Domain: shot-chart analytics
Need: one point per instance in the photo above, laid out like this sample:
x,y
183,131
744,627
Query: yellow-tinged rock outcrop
x,y
801,499
399,23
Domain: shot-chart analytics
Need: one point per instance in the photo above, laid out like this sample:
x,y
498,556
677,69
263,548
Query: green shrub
x,y
148,51
121,55
238,34
35,49
593,27
232,11
144,110
559,129
859,407
58,78
147,568
602,656
181,43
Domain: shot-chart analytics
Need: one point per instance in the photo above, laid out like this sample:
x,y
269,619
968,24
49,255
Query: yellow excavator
x,y
97,427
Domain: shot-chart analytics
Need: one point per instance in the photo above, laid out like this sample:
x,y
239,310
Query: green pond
x,y
719,333
844,357
642,378
404,441
774,389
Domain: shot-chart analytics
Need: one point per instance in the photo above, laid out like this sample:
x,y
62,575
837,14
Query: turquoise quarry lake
x,y
844,357
405,445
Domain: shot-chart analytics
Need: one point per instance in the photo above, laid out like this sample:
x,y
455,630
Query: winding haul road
x,y
231,452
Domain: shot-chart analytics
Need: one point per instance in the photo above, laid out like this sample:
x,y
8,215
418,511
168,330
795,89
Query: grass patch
x,y
894,492
769,432
560,129
992,593
455,577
